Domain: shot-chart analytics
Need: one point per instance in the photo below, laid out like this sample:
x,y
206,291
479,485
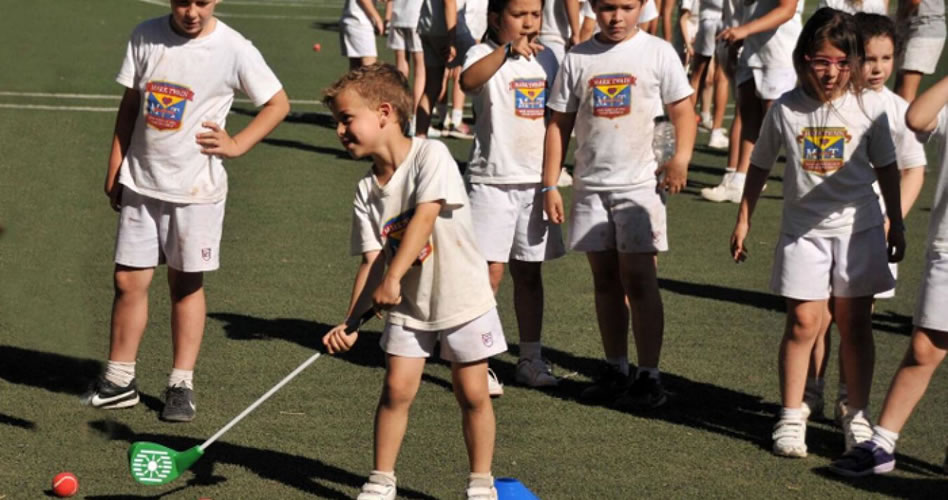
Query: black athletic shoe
x,y
609,384
645,393
179,404
106,395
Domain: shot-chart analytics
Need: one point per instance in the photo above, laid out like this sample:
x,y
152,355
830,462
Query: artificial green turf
x,y
286,276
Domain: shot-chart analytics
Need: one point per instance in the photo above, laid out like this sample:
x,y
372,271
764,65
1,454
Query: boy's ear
x,y
386,113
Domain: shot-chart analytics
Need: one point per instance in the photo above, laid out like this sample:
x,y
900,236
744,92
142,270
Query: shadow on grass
x,y
295,471
16,422
896,486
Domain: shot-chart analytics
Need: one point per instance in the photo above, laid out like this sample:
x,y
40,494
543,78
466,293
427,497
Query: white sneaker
x,y
856,429
433,133
727,190
378,487
481,489
706,122
718,139
566,180
790,438
535,373
494,387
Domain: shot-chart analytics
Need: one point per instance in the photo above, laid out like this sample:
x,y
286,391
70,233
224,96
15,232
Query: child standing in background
x,y
359,25
403,39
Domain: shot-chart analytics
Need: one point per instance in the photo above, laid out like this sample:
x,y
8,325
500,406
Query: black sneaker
x,y
179,404
645,393
609,384
108,396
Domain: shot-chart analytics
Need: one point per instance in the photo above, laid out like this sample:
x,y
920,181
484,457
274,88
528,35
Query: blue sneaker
x,y
864,459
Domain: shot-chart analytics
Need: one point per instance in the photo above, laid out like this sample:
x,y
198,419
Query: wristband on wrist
x,y
546,189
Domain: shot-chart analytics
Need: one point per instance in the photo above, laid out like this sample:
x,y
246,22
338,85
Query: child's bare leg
x,y
906,84
721,91
402,380
433,79
495,271
418,82
734,147
129,312
528,298
612,313
401,62
752,110
926,352
188,313
822,346
804,319
697,76
477,413
640,280
854,322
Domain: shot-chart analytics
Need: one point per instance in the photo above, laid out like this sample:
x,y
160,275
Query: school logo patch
x,y
394,229
824,149
206,254
529,97
612,94
165,104
487,339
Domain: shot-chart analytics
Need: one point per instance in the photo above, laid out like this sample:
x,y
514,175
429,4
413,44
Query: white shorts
x,y
405,39
924,40
510,223
705,42
769,83
357,40
475,340
930,309
631,221
817,267
185,236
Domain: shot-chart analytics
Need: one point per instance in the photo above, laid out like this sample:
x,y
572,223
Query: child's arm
x,y
889,185
683,18
554,148
753,185
771,20
368,276
369,7
910,187
124,125
477,74
451,25
573,18
389,292
682,115
588,28
922,114
218,142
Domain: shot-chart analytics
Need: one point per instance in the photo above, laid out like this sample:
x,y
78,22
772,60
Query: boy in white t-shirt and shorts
x,y
922,27
445,39
166,178
359,25
403,39
411,223
610,87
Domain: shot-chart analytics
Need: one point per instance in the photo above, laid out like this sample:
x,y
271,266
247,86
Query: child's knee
x,y
397,393
929,348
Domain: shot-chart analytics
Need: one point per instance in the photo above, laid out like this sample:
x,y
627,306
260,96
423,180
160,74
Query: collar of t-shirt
x,y
607,45
173,35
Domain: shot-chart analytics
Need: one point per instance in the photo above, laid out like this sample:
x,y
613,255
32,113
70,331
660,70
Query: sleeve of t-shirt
x,y
910,152
256,79
474,54
438,177
881,148
587,11
674,82
648,13
362,236
128,74
562,98
941,126
768,142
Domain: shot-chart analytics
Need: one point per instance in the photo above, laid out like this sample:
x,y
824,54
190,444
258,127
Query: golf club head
x,y
154,464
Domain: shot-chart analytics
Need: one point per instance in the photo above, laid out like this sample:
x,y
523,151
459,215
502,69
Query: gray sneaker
x,y
106,395
179,404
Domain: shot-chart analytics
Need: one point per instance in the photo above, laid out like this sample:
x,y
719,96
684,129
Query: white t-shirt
x,y
711,10
693,6
510,107
353,14
849,7
554,27
938,224
431,21
774,48
184,82
614,90
447,285
931,8
475,17
910,153
405,13
831,150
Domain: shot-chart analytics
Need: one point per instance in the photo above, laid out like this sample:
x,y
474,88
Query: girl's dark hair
x,y
497,7
876,25
839,30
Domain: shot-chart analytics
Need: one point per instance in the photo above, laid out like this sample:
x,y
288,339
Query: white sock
x,y
884,438
179,377
120,373
622,363
652,372
738,178
457,116
390,476
852,413
791,414
530,350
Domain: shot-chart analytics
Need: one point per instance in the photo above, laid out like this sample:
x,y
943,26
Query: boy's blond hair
x,y
375,84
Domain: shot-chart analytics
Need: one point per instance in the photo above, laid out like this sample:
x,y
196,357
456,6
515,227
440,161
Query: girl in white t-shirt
x,y
509,76
832,249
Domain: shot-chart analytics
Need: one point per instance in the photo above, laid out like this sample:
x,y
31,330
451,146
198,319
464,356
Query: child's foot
x,y
608,385
458,131
727,190
481,488
706,122
856,429
718,139
108,396
179,404
494,387
535,373
378,487
864,459
790,438
645,393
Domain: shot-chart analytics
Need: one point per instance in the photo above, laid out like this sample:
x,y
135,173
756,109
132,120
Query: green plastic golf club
x,y
154,464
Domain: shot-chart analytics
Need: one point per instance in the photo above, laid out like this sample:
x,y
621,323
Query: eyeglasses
x,y
823,63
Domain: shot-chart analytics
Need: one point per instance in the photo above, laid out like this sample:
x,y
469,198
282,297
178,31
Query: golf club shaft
x,y
350,327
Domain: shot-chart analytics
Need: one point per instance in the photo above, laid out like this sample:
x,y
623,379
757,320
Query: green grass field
x,y
286,276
